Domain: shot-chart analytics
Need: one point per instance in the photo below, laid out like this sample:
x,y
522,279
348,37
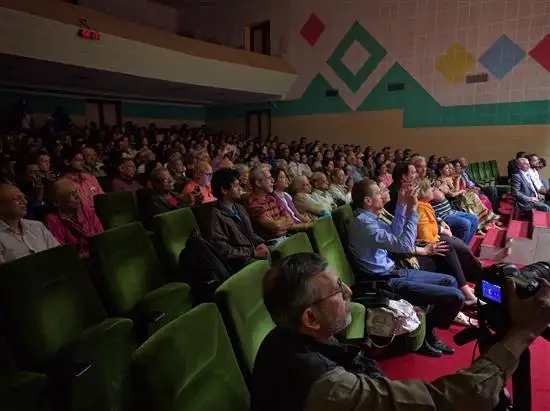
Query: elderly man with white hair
x,y
524,190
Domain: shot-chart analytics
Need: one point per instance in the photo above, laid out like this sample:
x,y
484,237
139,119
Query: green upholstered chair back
x,y
341,218
125,267
47,299
298,243
326,242
172,230
241,301
116,209
189,365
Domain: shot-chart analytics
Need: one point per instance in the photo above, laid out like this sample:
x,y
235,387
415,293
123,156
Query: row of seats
x,y
487,173
83,337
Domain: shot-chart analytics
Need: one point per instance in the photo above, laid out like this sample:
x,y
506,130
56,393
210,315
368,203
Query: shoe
x,y
441,346
428,351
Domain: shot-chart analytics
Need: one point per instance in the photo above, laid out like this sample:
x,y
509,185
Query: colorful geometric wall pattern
x,y
356,40
541,53
312,29
454,64
501,58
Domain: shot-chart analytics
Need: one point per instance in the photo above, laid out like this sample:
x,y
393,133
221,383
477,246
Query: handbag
x,y
398,318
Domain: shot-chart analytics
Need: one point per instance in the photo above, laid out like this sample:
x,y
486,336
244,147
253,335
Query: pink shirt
x,y
75,230
87,186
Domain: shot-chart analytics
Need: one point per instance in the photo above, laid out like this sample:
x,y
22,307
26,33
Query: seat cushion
x,y
172,230
241,301
298,243
161,306
125,267
358,320
46,299
25,391
92,371
189,365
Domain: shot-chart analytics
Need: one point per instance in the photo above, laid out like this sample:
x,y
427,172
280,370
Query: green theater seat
x,y
116,209
240,299
189,365
131,280
341,217
25,391
298,243
172,230
55,324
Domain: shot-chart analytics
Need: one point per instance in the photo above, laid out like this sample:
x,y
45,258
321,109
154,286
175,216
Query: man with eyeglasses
x,y
20,237
300,366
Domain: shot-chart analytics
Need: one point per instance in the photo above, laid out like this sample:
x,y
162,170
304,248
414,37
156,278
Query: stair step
x,y
494,238
475,244
518,229
541,219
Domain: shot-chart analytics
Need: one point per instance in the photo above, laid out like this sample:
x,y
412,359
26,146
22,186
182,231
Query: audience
x,y
284,199
71,223
202,174
270,220
229,228
126,181
86,184
370,241
338,188
20,237
524,189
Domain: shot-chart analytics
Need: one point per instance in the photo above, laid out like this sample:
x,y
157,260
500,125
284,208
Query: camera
x,y
494,322
492,293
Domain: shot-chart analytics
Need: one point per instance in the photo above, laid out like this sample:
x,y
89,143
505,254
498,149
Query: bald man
x,y
20,237
524,191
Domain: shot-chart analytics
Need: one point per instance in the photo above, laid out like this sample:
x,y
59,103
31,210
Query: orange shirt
x,y
428,228
206,191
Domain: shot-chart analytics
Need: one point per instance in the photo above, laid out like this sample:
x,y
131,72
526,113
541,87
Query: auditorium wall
x,y
140,112
444,76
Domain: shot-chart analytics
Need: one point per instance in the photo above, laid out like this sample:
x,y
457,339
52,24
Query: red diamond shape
x,y
541,53
312,30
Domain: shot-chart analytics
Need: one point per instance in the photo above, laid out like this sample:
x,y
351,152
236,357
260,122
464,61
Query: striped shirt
x,y
442,209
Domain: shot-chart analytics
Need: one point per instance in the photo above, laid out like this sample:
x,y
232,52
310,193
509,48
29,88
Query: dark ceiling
x,y
26,73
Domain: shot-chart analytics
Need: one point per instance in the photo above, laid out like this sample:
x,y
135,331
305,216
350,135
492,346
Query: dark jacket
x,y
288,364
232,235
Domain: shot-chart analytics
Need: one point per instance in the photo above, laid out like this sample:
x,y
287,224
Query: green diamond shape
x,y
356,33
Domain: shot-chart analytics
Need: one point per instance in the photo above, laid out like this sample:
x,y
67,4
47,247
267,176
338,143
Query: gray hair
x,y
242,168
256,174
288,289
417,158
295,181
316,177
522,160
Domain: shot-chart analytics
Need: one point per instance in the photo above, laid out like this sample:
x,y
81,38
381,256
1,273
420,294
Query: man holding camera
x,y
301,367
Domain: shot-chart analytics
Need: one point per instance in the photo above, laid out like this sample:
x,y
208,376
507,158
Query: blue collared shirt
x,y
370,238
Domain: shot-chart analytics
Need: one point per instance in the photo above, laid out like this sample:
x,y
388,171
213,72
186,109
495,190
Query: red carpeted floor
x,y
427,369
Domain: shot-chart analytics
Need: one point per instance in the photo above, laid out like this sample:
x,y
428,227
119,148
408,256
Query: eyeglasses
x,y
338,290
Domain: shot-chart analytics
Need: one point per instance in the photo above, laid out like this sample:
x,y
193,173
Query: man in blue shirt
x,y
370,240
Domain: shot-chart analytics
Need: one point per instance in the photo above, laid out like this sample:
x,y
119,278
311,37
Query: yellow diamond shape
x,y
455,63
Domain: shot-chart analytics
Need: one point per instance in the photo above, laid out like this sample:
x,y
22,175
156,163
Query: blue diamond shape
x,y
501,58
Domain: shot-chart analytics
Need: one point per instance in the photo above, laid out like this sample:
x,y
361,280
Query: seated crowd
x,y
414,218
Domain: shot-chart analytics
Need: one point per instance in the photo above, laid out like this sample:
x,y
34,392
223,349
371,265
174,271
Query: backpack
x,y
202,268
